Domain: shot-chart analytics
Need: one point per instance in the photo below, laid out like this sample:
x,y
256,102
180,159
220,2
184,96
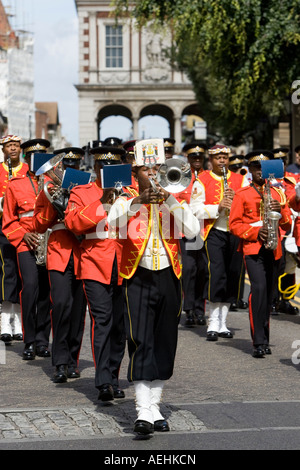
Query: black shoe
x,y
106,393
60,375
143,427
233,307
212,336
200,319
42,351
29,352
18,337
73,372
226,334
118,393
242,304
258,352
286,307
6,338
274,310
189,318
161,425
267,349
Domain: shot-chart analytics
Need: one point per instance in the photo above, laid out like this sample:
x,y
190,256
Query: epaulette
x,y
291,179
281,194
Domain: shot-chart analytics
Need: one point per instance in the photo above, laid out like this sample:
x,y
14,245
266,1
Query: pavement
x,y
219,398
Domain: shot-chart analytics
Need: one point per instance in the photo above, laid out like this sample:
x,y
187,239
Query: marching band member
x,y
19,202
11,325
151,270
288,262
213,193
192,251
248,219
100,263
68,303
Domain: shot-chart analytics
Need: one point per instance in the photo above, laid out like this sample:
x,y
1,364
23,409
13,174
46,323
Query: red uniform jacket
x,y
246,215
61,242
17,171
214,190
186,194
18,210
85,214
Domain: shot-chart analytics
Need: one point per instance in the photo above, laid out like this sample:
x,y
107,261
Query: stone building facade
x,y
123,71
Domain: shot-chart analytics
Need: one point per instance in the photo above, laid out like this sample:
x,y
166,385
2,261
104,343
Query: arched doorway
x,y
158,119
114,121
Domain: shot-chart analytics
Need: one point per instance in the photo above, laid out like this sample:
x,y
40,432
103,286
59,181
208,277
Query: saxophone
x,y
41,250
271,218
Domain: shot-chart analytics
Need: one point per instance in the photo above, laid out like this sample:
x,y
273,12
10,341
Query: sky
x,y
54,24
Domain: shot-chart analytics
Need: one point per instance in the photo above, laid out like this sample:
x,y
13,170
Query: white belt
x,y
96,235
58,227
259,223
26,214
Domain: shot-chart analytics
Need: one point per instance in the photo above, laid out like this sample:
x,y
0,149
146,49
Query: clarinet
x,y
224,171
10,173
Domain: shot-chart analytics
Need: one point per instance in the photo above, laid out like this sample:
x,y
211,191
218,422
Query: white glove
x,y
297,189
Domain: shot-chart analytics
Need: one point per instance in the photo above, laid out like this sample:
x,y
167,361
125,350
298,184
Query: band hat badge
x,y
72,153
196,149
107,153
258,156
281,153
35,145
236,160
149,152
10,138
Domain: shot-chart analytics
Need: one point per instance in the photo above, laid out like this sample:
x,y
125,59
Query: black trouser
x,y
263,272
106,306
35,300
67,314
153,304
193,277
224,267
9,274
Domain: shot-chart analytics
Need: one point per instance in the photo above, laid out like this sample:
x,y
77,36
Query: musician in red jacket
x,y
68,303
100,263
213,193
247,221
151,268
11,325
19,202
192,251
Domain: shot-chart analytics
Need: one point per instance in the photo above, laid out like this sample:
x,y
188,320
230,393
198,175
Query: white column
x,y
135,127
177,134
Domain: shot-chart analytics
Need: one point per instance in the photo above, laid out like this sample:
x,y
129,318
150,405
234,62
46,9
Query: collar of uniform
x,y
219,177
14,169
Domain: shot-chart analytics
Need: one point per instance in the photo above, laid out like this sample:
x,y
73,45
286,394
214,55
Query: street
x,y
219,397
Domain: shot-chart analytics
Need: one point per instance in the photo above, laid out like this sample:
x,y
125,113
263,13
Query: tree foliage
x,y
242,56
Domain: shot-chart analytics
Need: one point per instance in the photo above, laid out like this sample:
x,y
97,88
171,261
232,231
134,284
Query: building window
x,y
114,46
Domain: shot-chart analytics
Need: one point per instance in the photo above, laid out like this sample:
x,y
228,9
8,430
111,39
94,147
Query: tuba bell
x,y
53,170
174,175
